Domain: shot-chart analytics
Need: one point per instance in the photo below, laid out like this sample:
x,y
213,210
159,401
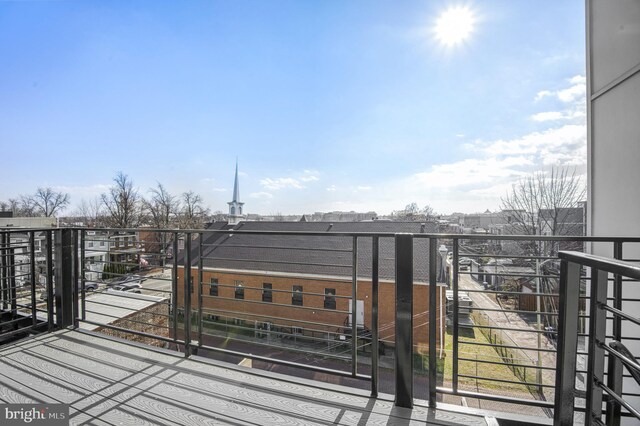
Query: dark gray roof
x,y
326,255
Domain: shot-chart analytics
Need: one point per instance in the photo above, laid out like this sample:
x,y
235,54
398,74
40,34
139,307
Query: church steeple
x,y
235,206
236,189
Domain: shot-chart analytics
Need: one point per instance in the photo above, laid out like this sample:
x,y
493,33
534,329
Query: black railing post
x,y
456,306
199,313
433,286
32,277
75,279
83,271
174,289
354,308
597,333
567,343
49,283
187,294
375,346
63,293
614,366
13,294
404,320
4,287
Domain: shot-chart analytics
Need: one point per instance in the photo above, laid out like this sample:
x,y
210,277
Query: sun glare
x,y
454,25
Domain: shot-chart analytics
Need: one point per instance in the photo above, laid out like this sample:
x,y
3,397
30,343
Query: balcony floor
x,y
109,382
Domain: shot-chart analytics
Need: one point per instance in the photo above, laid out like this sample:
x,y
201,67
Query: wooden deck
x,y
108,382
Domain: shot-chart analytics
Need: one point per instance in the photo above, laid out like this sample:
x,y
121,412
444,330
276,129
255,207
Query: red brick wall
x,y
282,313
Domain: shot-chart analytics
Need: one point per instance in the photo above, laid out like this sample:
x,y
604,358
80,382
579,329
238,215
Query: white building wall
x,y
613,110
613,102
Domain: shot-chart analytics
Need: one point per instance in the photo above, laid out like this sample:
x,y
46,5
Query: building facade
x,y
299,284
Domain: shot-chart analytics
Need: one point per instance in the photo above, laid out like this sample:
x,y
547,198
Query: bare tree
x,y
413,213
428,212
546,204
193,212
90,212
162,208
12,205
45,202
161,211
121,203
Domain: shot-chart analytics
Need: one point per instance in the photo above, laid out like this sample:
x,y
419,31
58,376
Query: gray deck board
x,y
107,382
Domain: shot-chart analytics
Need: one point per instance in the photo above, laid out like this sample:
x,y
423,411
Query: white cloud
x,y
219,189
296,181
470,172
363,188
543,94
280,183
537,145
310,176
572,102
548,116
575,92
331,188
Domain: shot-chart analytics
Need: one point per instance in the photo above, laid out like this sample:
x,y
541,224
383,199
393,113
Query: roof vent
x,y
422,227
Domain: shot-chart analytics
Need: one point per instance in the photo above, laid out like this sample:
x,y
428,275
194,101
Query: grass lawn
x,y
480,369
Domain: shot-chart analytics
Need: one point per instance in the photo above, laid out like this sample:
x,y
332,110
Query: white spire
x,y
236,188
235,206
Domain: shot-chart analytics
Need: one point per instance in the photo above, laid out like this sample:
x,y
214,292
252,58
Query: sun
x,y
454,26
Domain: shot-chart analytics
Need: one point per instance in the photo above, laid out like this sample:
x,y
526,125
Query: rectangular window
x,y
267,294
296,296
213,287
329,298
239,289
90,244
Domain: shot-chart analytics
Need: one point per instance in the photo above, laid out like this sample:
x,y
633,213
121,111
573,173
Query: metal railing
x,y
609,326
492,339
23,270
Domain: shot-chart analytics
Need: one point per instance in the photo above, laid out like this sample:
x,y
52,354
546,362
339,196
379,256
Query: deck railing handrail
x,y
614,266
188,335
604,377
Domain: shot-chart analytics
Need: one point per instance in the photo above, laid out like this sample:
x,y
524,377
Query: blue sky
x,y
328,105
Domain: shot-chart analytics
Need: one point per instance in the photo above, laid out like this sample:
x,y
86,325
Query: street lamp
x,y
443,255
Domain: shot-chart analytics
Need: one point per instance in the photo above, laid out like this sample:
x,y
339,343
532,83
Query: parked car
x,y
130,287
89,286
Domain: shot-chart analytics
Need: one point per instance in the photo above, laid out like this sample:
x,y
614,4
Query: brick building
x,y
301,284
